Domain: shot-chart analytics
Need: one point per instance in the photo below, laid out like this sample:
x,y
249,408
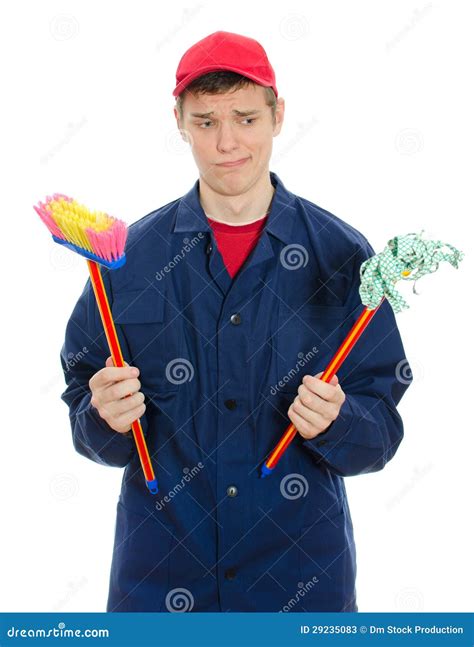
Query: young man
x,y
231,302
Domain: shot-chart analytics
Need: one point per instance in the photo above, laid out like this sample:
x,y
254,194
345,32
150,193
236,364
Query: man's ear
x,y
279,116
184,135
176,116
182,131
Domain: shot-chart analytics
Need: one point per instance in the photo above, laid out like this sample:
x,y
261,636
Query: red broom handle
x,y
342,352
116,352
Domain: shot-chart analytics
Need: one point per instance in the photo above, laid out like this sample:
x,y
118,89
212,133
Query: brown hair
x,y
220,82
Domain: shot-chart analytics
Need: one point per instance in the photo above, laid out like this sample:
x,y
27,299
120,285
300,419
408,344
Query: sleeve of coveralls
x,y
83,353
374,377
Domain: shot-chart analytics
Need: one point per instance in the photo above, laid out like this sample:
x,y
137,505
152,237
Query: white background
x,y
378,130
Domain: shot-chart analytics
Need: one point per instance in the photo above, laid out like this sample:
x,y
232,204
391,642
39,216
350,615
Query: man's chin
x,y
234,185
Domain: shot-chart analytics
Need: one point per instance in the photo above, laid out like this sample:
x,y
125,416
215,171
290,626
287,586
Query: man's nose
x,y
226,138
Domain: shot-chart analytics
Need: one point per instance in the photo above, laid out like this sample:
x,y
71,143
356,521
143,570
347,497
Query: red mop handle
x,y
116,352
343,351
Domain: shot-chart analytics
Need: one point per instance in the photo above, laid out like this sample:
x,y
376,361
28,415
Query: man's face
x,y
224,128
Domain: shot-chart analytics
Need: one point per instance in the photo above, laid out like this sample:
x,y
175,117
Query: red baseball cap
x,y
224,50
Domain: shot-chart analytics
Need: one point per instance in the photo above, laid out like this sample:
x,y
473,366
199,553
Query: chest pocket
x,y
151,329
306,339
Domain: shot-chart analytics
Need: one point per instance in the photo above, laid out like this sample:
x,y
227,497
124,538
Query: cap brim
x,y
183,84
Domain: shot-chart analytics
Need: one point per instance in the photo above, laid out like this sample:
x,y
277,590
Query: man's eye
x,y
204,124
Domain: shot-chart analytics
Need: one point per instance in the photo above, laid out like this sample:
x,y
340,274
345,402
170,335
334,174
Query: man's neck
x,y
237,209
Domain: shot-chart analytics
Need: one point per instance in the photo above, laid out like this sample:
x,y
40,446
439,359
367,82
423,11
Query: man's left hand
x,y
316,406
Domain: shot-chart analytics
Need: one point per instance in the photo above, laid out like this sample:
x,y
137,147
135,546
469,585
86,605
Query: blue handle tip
x,y
152,486
265,471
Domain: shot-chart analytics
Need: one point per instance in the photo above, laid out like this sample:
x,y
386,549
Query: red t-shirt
x,y
235,242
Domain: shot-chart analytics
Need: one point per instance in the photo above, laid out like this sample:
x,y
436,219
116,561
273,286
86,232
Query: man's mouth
x,y
236,163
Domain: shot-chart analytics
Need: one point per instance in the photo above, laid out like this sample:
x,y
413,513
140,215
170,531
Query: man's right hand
x,y
110,388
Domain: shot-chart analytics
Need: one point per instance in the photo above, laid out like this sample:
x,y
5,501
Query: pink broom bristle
x,y
46,217
67,224
110,243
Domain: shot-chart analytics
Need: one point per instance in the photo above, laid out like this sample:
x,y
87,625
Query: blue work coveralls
x,y
220,363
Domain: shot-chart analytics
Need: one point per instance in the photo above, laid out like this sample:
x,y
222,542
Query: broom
x,y
101,239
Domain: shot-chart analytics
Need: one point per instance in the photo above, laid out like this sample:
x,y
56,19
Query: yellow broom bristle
x,y
73,219
84,231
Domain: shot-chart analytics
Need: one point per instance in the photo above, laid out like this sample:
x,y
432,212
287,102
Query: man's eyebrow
x,y
239,113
